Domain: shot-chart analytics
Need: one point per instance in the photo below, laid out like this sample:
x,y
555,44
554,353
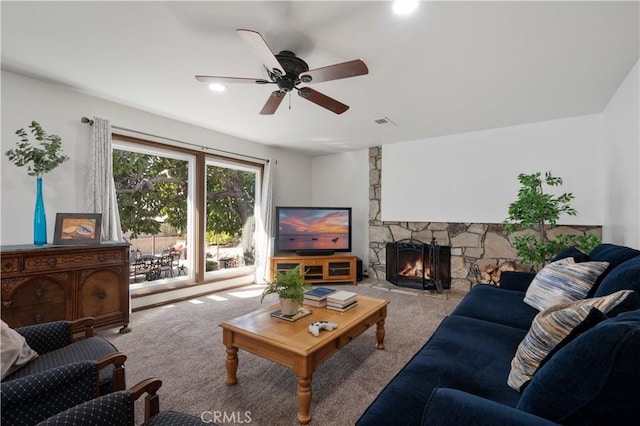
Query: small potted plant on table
x,y
290,287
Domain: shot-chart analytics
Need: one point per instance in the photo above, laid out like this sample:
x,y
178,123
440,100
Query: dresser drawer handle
x,y
52,262
38,319
102,294
102,257
39,292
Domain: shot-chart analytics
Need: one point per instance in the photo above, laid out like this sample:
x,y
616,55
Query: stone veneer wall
x,y
471,243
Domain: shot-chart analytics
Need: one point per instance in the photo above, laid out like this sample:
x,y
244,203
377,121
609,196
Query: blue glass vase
x,y
39,217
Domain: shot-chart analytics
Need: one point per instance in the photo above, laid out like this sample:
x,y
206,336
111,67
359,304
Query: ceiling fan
x,y
287,71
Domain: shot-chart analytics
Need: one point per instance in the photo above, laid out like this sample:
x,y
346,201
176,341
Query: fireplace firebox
x,y
414,264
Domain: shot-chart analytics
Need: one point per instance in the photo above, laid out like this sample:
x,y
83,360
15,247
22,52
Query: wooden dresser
x,y
44,284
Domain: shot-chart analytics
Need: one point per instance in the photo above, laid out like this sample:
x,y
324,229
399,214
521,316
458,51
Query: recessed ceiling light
x,y
405,7
217,87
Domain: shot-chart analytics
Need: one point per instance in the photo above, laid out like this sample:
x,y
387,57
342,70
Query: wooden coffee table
x,y
292,345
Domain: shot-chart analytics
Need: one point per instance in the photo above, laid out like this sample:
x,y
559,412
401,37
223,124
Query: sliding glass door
x,y
189,216
155,202
230,215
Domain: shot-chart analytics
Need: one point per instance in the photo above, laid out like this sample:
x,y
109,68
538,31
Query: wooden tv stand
x,y
317,269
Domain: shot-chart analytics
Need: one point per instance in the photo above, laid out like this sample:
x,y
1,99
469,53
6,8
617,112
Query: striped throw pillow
x,y
548,330
563,281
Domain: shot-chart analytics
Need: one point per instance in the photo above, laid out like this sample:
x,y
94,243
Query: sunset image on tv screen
x,y
324,229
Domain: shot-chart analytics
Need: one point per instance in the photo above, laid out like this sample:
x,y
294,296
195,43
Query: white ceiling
x,y
452,67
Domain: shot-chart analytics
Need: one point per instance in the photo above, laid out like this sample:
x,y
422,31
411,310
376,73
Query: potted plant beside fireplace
x,y
534,212
290,287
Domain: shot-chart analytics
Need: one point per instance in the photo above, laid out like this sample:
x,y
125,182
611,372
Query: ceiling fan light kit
x,y
288,71
217,87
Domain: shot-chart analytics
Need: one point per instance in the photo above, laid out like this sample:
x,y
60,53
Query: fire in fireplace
x,y
415,264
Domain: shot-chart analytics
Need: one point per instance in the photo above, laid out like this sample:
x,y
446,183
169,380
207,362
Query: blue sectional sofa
x,y
459,377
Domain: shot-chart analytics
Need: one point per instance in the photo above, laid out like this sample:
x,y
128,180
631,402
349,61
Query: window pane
x,y
230,225
152,191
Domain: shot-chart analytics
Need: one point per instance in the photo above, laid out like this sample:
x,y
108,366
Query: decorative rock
x,y
456,251
458,267
373,256
380,234
374,177
417,226
438,226
477,228
442,237
374,209
399,233
566,230
475,252
424,235
456,229
466,239
498,247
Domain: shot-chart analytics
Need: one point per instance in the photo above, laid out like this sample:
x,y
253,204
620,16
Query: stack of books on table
x,y
342,301
318,296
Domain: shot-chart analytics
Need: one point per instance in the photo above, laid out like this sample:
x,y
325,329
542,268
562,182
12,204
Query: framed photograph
x,y
77,228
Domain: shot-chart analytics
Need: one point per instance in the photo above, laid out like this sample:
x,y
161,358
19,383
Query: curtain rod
x,y
89,121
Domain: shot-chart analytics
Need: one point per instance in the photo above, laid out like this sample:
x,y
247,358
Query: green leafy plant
x,y
218,238
151,186
538,210
586,243
288,285
37,160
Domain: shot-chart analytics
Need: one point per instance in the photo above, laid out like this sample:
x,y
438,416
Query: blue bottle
x,y
39,217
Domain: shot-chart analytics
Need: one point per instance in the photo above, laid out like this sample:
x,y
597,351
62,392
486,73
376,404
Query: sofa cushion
x,y
90,349
563,281
559,324
593,380
573,252
451,358
110,409
612,253
15,352
516,280
31,399
451,407
615,255
497,305
625,276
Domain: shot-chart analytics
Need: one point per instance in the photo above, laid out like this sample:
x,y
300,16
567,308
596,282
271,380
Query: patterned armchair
x,y
67,371
118,409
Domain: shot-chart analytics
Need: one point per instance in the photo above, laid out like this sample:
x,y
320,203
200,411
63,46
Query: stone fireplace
x,y
415,264
473,247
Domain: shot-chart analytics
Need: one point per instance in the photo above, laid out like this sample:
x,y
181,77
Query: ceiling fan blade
x,y
261,48
216,79
335,72
272,103
322,100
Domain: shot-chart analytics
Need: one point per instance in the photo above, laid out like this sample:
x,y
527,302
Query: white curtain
x,y
101,197
265,225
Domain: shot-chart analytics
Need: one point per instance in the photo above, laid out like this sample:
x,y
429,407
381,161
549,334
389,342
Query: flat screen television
x,y
313,231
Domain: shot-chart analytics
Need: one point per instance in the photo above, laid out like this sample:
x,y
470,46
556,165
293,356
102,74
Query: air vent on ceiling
x,y
384,120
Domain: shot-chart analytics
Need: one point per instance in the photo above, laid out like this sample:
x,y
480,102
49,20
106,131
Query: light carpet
x,y
181,344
